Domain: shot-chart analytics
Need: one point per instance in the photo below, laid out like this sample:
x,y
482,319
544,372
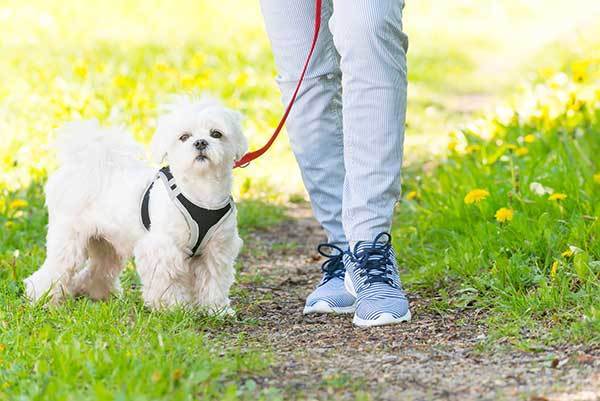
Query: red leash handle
x,y
250,156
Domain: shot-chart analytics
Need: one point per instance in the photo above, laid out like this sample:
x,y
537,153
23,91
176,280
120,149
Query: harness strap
x,y
202,222
248,157
144,208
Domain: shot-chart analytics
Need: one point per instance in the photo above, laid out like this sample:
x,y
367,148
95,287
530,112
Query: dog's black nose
x,y
201,144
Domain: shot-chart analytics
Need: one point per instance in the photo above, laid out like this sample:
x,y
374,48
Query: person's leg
x,y
314,126
368,36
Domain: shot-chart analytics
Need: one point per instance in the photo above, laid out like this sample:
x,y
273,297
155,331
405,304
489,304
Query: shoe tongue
x,y
361,246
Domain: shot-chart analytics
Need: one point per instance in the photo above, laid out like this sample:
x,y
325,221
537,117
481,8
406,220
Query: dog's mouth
x,y
202,158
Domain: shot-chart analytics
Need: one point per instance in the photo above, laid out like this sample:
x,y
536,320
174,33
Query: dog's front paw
x,y
220,311
40,285
30,292
169,298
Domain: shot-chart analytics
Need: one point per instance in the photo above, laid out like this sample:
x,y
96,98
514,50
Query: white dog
x,y
95,220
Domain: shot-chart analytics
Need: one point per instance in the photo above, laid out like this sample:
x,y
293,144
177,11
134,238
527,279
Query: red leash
x,y
248,157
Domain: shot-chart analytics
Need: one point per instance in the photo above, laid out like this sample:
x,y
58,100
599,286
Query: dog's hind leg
x,y
100,277
65,253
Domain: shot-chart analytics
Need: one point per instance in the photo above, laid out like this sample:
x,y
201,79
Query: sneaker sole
x,y
383,319
324,307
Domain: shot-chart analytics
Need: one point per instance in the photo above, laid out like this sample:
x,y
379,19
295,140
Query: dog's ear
x,y
241,142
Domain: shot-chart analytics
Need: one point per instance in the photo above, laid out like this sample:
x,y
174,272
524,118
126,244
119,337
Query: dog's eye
x,y
215,133
185,136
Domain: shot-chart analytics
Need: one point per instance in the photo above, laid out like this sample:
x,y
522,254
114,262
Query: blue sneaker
x,y
372,276
330,296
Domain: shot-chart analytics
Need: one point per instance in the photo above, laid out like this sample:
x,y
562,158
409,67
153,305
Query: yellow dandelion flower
x,y
177,374
568,253
2,347
554,269
504,214
198,60
412,195
473,148
476,196
80,68
522,151
162,66
557,196
530,138
574,103
188,80
546,72
452,145
580,71
241,79
597,178
18,204
156,376
123,81
559,80
511,146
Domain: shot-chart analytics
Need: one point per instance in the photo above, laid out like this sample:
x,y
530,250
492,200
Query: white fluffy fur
x,y
93,202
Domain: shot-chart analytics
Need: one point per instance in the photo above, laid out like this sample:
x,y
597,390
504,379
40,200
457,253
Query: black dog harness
x,y
202,222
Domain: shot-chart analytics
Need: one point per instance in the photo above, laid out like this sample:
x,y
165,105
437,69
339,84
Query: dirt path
x,y
432,357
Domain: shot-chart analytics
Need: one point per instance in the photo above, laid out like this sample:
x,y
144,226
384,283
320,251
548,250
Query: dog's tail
x,y
87,143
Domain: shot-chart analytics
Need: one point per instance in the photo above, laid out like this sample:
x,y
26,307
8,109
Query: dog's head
x,y
198,136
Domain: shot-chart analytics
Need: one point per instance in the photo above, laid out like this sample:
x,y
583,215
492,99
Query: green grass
x,y
118,350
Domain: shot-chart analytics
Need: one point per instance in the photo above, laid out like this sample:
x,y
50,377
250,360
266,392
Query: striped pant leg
x,y
369,38
315,123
